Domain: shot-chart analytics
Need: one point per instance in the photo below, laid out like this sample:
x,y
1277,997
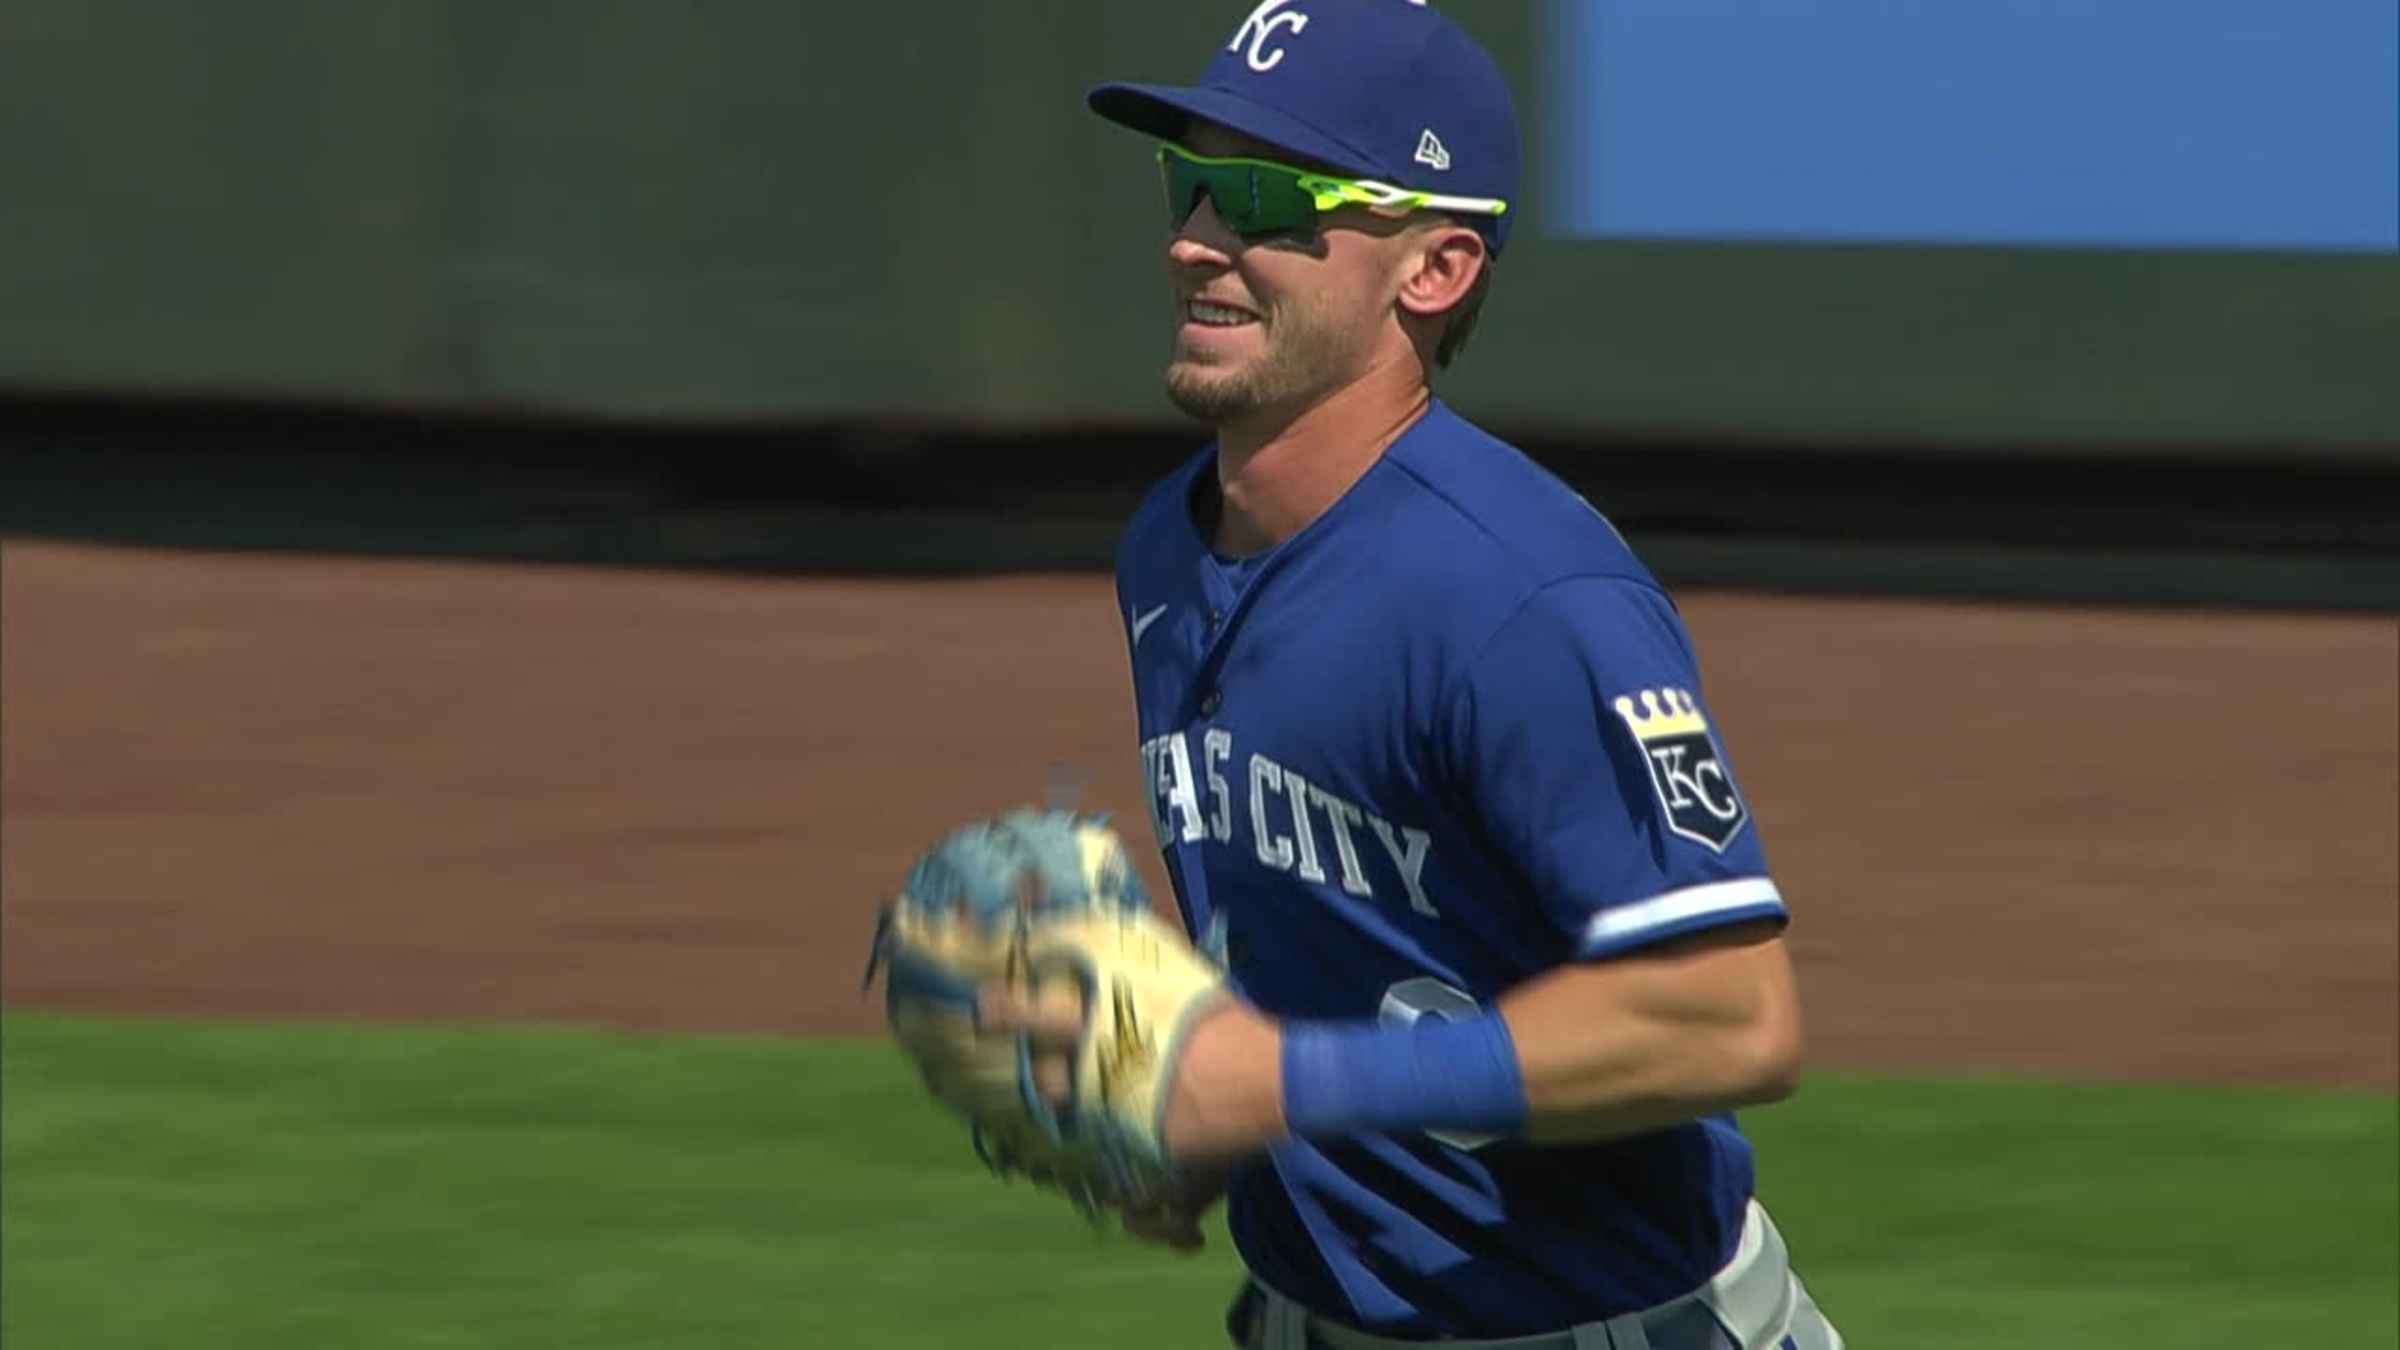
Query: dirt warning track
x,y
2144,843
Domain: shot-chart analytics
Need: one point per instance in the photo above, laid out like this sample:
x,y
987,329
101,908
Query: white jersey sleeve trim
x,y
1623,925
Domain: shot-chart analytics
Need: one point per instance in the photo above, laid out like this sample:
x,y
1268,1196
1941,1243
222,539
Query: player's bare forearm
x,y
1229,1099
1618,1047
1605,1049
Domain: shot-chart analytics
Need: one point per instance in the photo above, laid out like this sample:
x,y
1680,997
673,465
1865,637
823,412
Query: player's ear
x,y
1443,263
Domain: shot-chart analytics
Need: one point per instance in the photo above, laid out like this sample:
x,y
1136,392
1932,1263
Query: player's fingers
x,y
1053,1077
1052,1016
998,1012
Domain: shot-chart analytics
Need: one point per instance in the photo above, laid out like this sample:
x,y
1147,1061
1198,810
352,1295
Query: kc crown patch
x,y
1694,787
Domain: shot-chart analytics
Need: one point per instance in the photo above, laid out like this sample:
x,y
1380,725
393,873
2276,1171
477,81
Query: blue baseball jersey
x,y
1446,738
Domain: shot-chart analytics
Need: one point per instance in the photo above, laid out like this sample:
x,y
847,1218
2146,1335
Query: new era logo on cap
x,y
1431,151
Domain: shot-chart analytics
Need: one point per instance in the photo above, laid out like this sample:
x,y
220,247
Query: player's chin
x,y
1217,345
1189,366
1207,391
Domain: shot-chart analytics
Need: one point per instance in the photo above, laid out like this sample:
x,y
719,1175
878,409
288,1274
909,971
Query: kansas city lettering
x,y
1295,826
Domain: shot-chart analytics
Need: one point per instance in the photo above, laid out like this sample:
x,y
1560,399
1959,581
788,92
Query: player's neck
x,y
1277,479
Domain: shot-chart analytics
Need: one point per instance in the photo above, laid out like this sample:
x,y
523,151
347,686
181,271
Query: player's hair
x,y
1462,319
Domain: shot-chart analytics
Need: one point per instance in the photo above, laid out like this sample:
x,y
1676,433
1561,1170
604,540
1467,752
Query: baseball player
x,y
1431,768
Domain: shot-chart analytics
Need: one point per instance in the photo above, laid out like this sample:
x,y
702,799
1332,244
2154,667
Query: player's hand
x,y
1054,1025
1227,1098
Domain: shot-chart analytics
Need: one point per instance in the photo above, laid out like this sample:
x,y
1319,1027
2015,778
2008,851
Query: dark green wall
x,y
249,195
741,210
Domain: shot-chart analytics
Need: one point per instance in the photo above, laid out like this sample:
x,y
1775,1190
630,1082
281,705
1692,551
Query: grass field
x,y
262,1187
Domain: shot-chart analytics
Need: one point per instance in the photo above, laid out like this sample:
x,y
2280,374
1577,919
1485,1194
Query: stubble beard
x,y
1300,357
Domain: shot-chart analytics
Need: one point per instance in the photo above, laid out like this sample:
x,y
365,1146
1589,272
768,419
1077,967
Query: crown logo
x,y
1661,713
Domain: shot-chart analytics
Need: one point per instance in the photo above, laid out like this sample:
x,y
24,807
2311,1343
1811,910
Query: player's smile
x,y
1212,325
1210,314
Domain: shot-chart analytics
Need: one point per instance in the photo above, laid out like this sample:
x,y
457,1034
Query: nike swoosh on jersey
x,y
1142,622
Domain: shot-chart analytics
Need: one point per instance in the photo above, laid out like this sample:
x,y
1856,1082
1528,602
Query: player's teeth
x,y
1216,315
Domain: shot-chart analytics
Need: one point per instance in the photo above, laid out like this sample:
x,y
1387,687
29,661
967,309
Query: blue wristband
x,y
1430,1074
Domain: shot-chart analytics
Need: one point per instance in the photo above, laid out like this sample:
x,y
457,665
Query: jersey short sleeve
x,y
1578,737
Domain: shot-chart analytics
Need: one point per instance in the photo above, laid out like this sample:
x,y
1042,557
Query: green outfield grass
x,y
262,1187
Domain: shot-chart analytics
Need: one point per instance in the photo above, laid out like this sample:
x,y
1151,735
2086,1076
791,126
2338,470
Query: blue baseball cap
x,y
1390,90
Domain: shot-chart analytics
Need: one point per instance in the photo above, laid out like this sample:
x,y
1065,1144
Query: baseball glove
x,y
1045,903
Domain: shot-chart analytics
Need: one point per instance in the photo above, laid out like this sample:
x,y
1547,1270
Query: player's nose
x,y
1202,240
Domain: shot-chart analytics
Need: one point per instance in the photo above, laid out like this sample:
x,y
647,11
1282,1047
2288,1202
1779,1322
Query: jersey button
x,y
1210,704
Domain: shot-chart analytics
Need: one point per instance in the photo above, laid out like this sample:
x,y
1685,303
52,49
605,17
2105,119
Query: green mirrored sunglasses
x,y
1260,197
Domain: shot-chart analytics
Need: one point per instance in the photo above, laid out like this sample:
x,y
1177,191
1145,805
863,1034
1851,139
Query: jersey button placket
x,y
1213,637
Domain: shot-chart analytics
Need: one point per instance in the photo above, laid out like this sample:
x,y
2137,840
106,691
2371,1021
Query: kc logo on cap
x,y
1259,29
